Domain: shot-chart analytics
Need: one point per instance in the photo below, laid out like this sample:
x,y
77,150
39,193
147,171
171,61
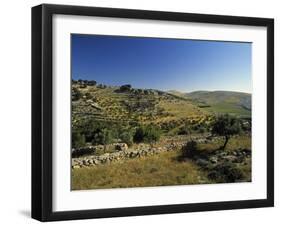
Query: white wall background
x,y
15,111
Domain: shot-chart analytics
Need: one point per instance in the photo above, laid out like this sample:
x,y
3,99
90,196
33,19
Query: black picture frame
x,y
42,111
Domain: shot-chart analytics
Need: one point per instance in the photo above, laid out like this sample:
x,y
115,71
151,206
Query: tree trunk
x,y
225,142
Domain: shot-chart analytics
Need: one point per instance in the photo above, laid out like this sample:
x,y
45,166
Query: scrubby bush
x,y
139,91
104,136
146,92
88,96
76,94
170,125
91,83
78,140
226,172
184,130
127,137
125,88
188,129
246,125
198,128
147,134
101,86
190,149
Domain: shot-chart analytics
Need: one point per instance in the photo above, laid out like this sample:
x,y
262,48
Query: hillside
x,y
144,106
236,103
128,137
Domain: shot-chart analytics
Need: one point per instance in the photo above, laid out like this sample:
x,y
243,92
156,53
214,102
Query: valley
x,y
126,137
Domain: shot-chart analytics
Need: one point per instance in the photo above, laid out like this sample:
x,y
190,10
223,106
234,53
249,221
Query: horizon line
x,y
170,90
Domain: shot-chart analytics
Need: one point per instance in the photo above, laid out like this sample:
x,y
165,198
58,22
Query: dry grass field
x,y
163,169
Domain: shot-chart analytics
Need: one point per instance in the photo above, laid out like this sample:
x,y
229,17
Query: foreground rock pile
x,y
225,166
219,156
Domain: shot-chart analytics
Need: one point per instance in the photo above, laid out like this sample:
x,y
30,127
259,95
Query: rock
x,y
76,167
202,162
133,154
99,147
214,160
90,161
95,105
106,155
230,158
120,151
246,151
238,160
121,146
200,141
96,162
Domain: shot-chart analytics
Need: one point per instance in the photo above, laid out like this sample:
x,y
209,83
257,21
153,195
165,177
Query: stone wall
x,y
123,152
143,150
92,150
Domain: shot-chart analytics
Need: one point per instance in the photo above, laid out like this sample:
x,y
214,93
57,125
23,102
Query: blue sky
x,y
164,64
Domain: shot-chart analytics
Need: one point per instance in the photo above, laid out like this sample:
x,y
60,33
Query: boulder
x,y
214,159
121,147
76,167
202,162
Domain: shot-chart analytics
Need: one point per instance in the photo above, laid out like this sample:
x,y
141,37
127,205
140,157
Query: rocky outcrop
x,y
225,165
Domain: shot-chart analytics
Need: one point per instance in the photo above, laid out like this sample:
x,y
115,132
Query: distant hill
x,y
177,93
223,101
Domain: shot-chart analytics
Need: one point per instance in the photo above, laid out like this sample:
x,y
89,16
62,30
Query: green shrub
x,y
125,88
127,137
147,134
88,96
202,129
189,129
190,149
101,86
184,130
78,140
91,83
226,172
104,136
76,94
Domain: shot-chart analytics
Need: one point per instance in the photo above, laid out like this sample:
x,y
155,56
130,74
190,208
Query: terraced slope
x,y
136,105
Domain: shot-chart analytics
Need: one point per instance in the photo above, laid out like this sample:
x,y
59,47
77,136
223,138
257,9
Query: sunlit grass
x,y
163,169
234,143
157,170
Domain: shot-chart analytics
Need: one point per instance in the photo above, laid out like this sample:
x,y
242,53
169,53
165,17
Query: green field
x,y
230,109
235,103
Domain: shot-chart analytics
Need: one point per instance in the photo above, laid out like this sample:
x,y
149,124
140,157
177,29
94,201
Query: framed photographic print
x,y
145,112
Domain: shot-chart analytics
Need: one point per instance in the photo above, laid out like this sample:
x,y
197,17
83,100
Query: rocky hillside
x,y
126,104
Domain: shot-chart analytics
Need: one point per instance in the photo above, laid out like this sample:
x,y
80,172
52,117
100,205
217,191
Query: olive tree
x,y
227,126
